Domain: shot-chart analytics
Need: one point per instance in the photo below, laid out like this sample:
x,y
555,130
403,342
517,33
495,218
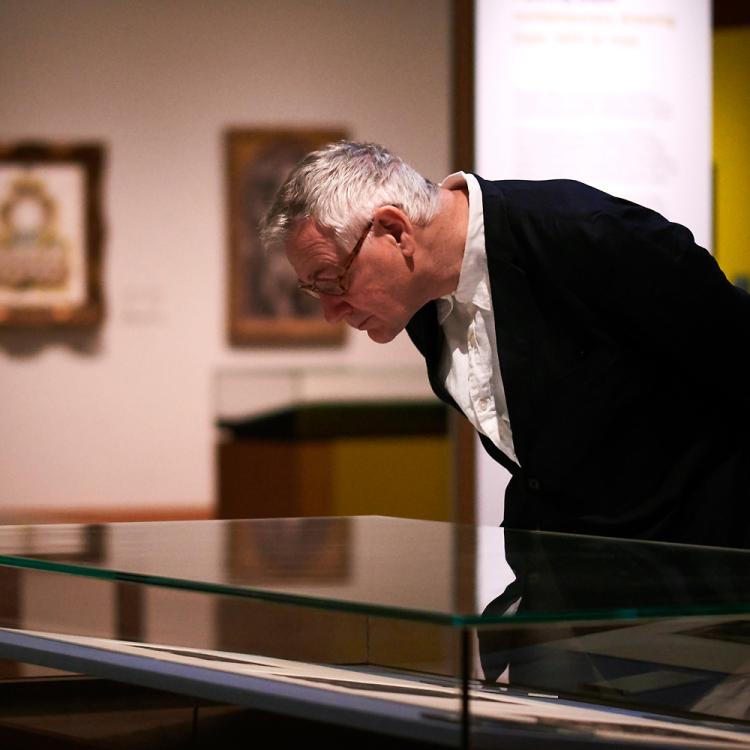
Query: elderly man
x,y
601,354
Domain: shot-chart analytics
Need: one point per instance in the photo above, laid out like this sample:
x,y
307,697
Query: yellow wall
x,y
401,476
732,151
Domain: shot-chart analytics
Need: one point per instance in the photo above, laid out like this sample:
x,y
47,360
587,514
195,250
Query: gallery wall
x,y
121,421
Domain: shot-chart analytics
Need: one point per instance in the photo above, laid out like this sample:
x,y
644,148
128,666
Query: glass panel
x,y
674,666
659,629
408,569
375,622
352,669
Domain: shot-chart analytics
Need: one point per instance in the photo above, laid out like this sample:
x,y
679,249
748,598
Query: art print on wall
x,y
50,235
265,307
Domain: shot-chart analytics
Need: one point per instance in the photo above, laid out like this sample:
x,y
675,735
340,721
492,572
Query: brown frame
x,y
264,305
89,311
463,435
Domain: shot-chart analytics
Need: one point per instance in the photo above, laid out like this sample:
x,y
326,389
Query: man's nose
x,y
334,308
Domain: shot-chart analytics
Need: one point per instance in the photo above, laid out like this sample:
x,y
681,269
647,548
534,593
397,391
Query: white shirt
x,y
470,366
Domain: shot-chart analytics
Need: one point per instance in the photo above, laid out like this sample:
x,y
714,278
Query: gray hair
x,y
340,186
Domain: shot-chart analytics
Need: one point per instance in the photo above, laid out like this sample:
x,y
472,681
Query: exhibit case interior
x,y
421,632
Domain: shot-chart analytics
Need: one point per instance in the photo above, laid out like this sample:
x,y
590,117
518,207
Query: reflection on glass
x,y
646,626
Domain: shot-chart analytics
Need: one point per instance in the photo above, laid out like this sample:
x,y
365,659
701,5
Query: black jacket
x,y
625,356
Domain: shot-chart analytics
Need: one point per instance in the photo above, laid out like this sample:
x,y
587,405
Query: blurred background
x,y
123,421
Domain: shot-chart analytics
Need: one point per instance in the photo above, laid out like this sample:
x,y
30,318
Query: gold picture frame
x,y
51,234
264,305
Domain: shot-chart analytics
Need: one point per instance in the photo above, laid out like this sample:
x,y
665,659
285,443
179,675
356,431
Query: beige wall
x,y
128,424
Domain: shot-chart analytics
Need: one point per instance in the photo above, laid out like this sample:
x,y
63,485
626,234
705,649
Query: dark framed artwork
x,y
51,234
264,305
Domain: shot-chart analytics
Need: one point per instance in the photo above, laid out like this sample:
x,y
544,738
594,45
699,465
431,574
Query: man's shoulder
x,y
562,197
558,193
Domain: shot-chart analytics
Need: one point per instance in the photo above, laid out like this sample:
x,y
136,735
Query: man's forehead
x,y
310,245
306,231
308,236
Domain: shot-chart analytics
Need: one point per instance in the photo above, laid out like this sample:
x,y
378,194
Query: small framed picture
x,y
51,233
265,307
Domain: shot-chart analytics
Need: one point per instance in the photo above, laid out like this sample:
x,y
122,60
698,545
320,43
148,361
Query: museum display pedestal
x,y
331,442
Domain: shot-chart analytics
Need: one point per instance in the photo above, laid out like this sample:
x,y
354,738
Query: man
x,y
600,353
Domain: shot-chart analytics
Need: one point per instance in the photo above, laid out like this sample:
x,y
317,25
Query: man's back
x,y
624,385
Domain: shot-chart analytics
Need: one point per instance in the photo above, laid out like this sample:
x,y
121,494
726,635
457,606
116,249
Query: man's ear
x,y
391,220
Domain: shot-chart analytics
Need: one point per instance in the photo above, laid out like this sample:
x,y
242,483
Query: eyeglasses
x,y
338,286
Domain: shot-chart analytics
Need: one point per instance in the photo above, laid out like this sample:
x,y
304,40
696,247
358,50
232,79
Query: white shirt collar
x,y
472,281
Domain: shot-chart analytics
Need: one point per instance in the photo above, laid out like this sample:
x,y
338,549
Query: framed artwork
x,y
51,233
264,305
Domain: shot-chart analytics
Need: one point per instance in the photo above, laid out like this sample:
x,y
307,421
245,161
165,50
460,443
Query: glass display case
x,y
416,631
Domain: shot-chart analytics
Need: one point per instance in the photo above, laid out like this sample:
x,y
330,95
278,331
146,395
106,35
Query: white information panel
x,y
615,93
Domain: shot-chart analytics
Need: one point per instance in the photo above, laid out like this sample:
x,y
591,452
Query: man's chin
x,y
381,336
